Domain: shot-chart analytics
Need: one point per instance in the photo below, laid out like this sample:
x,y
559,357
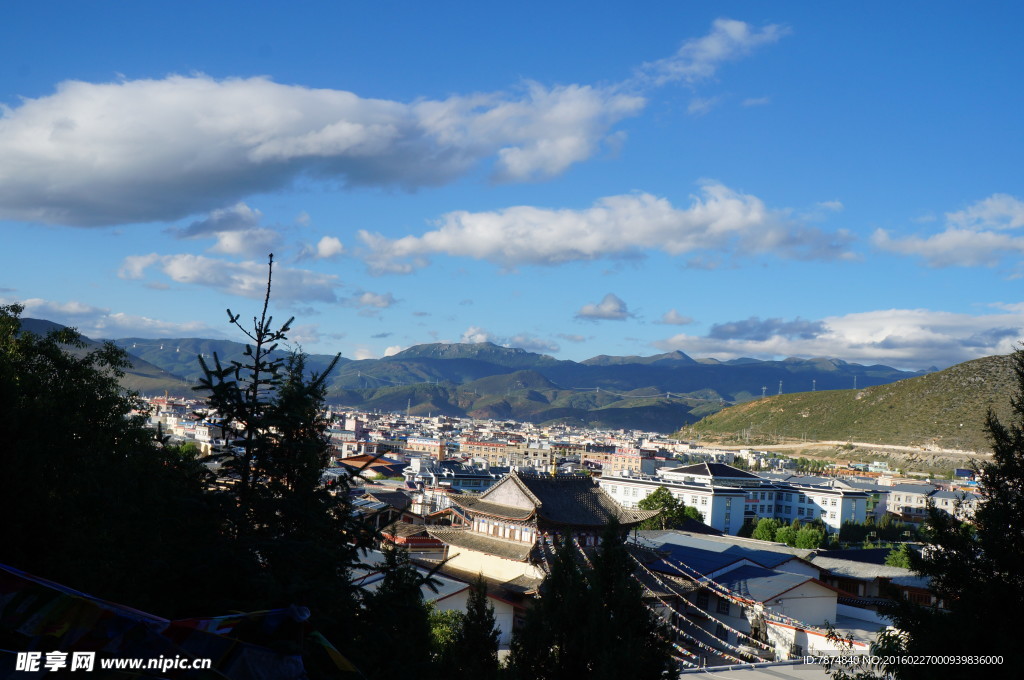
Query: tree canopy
x,y
590,621
88,496
674,512
975,566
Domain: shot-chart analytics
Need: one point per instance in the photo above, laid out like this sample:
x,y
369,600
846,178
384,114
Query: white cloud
x,y
527,341
531,343
94,154
248,243
699,106
998,211
475,334
375,300
362,353
719,219
674,318
305,334
236,230
392,350
610,308
327,248
245,279
100,322
239,217
160,149
905,338
756,101
974,237
699,58
953,247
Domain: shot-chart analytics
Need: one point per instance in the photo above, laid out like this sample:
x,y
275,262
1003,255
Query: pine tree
x,y
553,643
297,540
627,639
474,654
976,567
394,641
591,622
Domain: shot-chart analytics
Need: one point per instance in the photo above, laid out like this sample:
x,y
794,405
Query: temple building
x,y
500,533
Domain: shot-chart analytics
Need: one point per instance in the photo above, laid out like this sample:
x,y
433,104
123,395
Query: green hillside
x,y
945,409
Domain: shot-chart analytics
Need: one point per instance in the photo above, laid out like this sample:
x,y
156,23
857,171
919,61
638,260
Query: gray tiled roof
x,y
924,489
470,540
865,570
477,505
405,529
578,501
395,499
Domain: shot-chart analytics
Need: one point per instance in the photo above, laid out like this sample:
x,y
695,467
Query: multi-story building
x,y
435,447
721,507
727,496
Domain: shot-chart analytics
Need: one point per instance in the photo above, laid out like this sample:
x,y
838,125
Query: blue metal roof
x,y
717,552
760,584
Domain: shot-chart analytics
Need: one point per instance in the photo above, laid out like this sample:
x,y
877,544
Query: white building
x,y
727,496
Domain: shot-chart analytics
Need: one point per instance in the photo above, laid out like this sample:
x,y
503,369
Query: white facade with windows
x,y
720,507
726,500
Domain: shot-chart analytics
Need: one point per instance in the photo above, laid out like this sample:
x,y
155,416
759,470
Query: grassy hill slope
x,y
944,409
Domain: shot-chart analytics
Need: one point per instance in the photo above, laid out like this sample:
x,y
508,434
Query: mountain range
x,y
659,393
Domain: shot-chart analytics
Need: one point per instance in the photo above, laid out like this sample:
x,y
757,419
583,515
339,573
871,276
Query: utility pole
x,y
763,389
780,387
814,385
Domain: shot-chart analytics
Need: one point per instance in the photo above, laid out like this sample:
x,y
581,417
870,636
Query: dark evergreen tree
x,y
474,653
298,539
627,640
87,496
591,622
553,643
976,567
394,639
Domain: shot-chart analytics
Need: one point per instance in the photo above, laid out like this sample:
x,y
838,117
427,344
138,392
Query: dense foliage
x,y
87,495
92,499
976,569
804,536
674,512
590,621
474,652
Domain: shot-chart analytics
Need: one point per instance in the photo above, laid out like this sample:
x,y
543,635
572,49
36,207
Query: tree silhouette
x,y
975,566
474,654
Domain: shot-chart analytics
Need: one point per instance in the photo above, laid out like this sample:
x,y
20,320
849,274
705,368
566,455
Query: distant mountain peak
x,y
481,351
674,357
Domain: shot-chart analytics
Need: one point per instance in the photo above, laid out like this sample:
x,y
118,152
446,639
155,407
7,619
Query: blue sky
x,y
741,179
